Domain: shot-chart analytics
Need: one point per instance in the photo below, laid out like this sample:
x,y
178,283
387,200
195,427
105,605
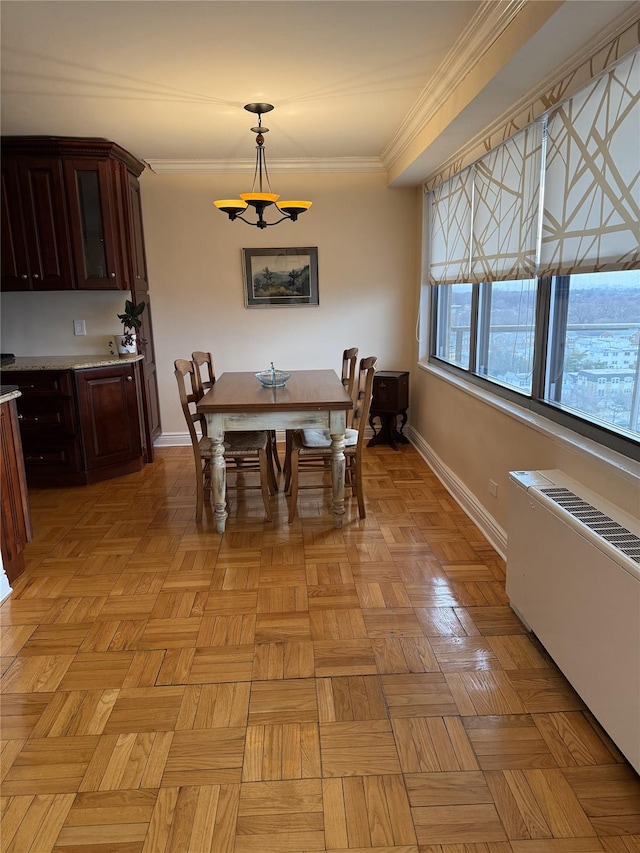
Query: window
x,y
506,332
534,263
547,334
453,334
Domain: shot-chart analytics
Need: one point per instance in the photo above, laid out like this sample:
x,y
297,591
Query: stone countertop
x,y
9,392
67,362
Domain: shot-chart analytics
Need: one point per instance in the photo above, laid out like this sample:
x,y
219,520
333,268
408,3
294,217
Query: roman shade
x,y
506,203
450,229
560,196
485,220
592,177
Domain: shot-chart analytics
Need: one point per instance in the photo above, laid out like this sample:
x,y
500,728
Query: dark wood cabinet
x,y
36,250
72,220
48,423
389,401
80,426
16,517
100,244
140,292
109,416
65,212
138,260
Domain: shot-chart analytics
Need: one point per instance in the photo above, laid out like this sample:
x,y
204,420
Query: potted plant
x,y
130,319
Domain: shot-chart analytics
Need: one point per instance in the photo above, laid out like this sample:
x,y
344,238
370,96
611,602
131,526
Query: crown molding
x,y
317,164
538,100
486,26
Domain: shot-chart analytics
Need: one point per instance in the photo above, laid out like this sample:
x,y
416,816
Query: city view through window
x,y
592,341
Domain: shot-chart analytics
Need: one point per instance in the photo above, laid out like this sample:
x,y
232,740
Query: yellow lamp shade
x,y
295,205
230,204
263,198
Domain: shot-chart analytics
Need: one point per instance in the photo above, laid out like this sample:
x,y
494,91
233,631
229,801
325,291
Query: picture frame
x,y
279,278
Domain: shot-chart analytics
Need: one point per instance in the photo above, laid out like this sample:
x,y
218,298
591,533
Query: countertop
x,y
67,362
8,392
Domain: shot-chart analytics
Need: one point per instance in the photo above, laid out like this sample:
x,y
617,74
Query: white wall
x,y
367,246
478,442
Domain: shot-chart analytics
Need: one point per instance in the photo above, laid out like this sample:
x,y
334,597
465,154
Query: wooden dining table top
x,y
306,390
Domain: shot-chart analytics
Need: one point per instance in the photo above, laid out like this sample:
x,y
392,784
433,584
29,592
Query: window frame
x,y
543,351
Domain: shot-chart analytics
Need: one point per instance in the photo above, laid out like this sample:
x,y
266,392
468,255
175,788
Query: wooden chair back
x,y
362,395
204,370
349,358
190,393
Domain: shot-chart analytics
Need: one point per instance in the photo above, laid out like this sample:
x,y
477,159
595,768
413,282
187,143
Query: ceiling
x,y
354,84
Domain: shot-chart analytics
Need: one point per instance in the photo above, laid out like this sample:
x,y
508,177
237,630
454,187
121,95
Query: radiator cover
x,y
573,577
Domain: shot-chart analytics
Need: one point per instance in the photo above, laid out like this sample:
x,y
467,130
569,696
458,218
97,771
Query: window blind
x,y
450,229
592,177
506,209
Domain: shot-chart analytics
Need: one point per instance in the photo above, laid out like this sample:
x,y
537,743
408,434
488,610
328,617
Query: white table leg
x,y
336,431
218,471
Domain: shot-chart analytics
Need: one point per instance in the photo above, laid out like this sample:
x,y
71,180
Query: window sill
x,y
624,466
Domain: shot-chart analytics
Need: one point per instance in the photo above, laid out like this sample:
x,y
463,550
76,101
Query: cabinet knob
x,y
112,275
36,276
24,275
136,276
20,417
129,378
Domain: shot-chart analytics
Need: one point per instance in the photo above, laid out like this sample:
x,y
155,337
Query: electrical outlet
x,y
493,488
79,327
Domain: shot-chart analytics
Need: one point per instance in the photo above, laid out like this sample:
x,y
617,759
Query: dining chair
x,y
239,447
348,378
203,362
349,359
311,448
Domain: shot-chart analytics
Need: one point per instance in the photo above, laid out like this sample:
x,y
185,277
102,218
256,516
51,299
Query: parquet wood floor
x,y
287,688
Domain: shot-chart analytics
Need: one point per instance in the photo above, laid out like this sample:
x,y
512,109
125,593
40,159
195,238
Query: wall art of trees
x,y
294,283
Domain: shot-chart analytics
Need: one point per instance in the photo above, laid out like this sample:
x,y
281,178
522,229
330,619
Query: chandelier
x,y
258,199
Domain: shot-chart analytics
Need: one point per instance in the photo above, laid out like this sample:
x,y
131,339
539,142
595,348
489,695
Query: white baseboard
x,y
496,535
173,439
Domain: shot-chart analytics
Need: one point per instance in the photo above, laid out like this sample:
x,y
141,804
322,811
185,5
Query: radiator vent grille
x,y
617,535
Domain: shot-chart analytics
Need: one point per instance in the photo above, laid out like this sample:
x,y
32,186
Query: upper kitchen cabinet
x,y
66,215
36,249
95,216
137,258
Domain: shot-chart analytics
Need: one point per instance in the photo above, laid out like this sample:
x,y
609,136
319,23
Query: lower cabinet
x,y
16,517
109,416
80,426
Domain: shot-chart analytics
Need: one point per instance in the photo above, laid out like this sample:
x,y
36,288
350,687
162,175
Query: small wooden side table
x,y
390,400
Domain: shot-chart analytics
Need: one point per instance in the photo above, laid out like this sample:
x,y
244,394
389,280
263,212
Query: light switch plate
x,y
79,327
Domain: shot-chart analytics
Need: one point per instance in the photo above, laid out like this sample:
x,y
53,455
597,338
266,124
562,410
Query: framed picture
x,y
280,277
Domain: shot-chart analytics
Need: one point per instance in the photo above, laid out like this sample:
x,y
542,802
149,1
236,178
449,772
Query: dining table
x,y
310,399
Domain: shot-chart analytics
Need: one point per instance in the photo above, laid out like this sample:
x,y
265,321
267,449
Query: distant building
x,y
602,381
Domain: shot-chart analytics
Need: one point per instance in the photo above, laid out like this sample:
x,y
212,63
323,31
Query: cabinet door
x,y
48,425
45,223
15,266
137,259
95,221
109,415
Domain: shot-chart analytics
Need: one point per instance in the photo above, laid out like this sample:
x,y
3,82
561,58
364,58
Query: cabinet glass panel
x,y
92,225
